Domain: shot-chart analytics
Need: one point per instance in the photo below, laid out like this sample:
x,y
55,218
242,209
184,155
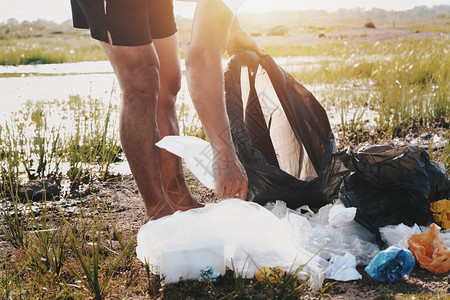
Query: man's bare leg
x,y
137,69
173,180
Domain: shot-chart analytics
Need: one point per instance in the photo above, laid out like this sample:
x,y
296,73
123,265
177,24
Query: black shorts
x,y
128,22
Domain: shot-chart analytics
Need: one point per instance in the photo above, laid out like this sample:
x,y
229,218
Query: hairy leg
x,y
137,69
173,180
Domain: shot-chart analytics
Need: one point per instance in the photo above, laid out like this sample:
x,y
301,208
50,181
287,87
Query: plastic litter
x,y
253,236
283,138
273,275
197,155
441,213
445,234
391,264
208,274
393,185
340,215
430,250
343,268
343,235
398,234
185,260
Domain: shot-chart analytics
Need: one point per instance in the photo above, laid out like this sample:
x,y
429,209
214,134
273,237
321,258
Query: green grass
x,y
90,260
74,139
50,49
405,82
46,42
59,255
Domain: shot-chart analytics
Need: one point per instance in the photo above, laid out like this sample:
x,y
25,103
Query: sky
x,y
59,10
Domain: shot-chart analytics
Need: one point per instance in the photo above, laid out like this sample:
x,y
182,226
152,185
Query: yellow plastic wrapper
x,y
430,250
267,273
441,213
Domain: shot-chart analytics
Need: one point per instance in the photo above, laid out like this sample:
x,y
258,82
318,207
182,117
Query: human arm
x,y
212,23
240,40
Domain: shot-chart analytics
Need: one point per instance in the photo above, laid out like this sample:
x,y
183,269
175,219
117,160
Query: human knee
x,y
171,85
143,82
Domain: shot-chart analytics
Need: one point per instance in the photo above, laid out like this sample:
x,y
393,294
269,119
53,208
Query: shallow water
x,y
55,81
20,84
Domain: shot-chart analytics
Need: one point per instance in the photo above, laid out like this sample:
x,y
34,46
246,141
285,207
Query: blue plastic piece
x,y
208,274
391,264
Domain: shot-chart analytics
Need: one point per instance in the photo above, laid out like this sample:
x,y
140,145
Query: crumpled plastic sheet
x,y
257,237
430,250
398,234
254,237
197,155
441,213
343,268
391,264
332,231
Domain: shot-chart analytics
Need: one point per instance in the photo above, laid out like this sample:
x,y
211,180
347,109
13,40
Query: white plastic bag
x,y
343,268
254,237
257,237
197,155
339,215
398,234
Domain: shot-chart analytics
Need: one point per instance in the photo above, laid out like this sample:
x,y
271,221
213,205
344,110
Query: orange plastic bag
x,y
430,250
441,213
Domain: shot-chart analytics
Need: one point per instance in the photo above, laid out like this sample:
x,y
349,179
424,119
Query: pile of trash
x,y
310,210
246,237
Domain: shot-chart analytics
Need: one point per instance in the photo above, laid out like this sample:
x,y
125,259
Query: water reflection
x,y
20,84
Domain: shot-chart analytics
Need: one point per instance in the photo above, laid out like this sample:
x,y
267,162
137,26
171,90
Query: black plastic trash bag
x,y
283,139
393,185
281,133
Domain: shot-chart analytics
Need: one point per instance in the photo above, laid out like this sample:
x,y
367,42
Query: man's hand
x,y
240,40
231,179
